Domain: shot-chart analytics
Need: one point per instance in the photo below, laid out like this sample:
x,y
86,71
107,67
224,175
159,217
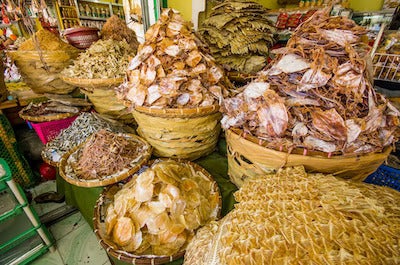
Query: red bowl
x,y
81,37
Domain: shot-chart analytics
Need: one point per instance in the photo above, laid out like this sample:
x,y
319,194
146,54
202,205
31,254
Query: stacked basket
x,y
175,89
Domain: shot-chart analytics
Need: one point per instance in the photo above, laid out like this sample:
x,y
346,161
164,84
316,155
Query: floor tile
x,y
81,247
50,258
67,225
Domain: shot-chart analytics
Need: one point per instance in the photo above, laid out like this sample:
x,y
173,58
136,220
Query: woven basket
x,y
44,78
50,117
247,158
108,180
112,249
179,133
90,84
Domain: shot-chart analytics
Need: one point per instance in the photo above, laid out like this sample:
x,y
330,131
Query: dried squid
x,y
317,94
157,212
172,69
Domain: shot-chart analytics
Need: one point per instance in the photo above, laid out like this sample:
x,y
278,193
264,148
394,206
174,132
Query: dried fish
x,y
321,83
239,38
172,69
103,59
165,204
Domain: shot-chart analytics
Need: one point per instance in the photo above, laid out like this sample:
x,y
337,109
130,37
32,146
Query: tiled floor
x,y
75,241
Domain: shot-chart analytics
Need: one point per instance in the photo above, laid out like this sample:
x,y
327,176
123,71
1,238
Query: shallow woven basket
x,y
247,157
90,84
179,133
112,249
51,117
44,78
108,180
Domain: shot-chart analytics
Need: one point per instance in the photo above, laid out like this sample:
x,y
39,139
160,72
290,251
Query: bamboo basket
x,y
248,158
112,249
50,117
107,180
44,77
179,133
91,84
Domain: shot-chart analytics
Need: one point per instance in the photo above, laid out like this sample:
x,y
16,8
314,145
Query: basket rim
x,y
105,181
51,117
147,259
178,112
92,82
299,151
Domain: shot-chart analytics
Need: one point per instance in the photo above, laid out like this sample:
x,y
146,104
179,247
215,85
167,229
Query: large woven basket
x,y
112,249
107,180
44,76
247,157
179,133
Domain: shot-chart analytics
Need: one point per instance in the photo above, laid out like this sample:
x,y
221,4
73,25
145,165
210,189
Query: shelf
x,y
96,2
70,18
93,18
73,7
9,206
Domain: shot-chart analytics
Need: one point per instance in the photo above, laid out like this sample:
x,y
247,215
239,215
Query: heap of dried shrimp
x,y
317,94
239,35
106,153
157,212
172,69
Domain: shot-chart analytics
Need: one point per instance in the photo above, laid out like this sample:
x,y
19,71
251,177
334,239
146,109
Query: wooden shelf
x,y
8,104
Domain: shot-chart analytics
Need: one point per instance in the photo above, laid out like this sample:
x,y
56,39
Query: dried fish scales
x,y
159,204
103,59
236,30
104,154
292,217
327,102
173,70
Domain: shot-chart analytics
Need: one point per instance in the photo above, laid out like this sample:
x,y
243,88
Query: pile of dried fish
x,y
157,212
84,126
239,35
172,69
116,29
48,108
106,153
103,59
317,95
298,218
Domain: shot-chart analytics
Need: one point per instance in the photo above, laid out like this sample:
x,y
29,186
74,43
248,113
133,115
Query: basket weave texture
x,y
44,77
107,180
249,159
179,133
112,249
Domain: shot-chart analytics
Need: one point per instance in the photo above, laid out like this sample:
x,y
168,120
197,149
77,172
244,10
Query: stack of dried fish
x,y
104,59
157,212
104,154
317,95
239,35
48,108
84,126
298,218
116,29
172,69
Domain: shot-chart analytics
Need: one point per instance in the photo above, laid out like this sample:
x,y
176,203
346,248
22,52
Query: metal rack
x,y
23,238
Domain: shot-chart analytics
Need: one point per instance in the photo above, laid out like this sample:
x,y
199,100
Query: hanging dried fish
x,y
172,69
323,81
239,35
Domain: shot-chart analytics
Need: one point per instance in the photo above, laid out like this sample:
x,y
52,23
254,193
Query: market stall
x,y
188,142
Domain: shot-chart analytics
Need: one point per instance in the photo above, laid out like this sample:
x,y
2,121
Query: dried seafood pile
x,y
298,218
83,126
105,153
45,40
48,108
316,95
172,69
116,29
239,35
103,59
157,212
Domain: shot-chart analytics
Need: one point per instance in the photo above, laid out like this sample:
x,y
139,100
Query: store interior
x,y
199,132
